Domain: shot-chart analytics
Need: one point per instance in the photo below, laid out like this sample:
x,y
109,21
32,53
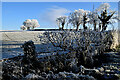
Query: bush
x,y
86,44
118,48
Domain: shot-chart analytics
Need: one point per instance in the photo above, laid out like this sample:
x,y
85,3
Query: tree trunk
x,y
104,27
94,26
77,29
33,28
28,28
84,26
84,21
99,26
63,26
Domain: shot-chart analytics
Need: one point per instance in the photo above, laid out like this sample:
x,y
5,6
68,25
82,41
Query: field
x,y
13,40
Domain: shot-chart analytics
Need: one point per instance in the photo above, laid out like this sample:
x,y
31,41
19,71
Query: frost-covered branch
x,y
107,16
30,24
78,17
61,21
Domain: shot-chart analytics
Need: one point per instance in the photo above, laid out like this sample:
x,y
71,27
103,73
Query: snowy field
x,y
13,40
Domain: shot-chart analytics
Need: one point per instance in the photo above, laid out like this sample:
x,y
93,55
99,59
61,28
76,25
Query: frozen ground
x,y
13,40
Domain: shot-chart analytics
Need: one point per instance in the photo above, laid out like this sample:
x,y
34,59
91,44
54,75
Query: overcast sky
x,y
14,13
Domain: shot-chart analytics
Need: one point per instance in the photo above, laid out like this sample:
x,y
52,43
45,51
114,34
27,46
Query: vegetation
x,y
78,51
98,17
61,22
105,19
30,24
118,48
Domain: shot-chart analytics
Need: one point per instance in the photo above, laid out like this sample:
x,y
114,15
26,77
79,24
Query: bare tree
x,y
79,17
104,18
34,23
61,21
93,18
23,27
76,18
85,19
30,24
106,15
27,24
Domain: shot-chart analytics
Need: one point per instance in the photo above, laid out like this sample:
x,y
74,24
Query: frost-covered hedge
x,y
86,44
88,41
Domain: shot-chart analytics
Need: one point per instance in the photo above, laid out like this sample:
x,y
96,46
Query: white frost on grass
x,y
31,76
